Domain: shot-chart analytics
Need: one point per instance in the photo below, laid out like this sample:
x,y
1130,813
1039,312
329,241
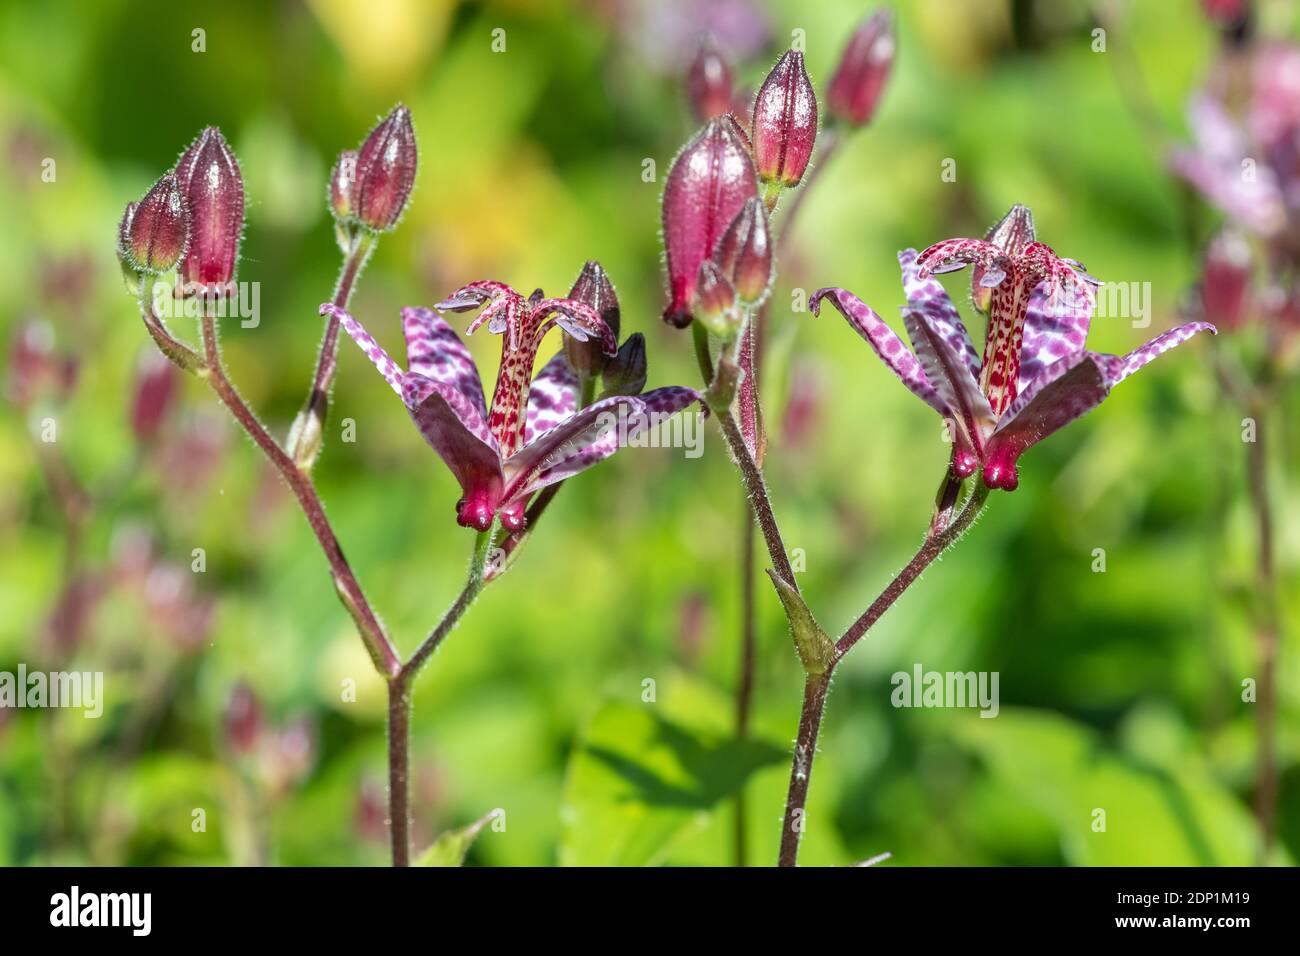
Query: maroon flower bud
x,y
342,178
213,192
1225,280
715,301
156,381
592,288
625,373
784,126
744,253
242,721
155,231
707,184
385,171
708,84
863,69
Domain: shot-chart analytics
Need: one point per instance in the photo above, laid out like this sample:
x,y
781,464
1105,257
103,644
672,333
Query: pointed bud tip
x,y
157,229
784,123
709,83
385,171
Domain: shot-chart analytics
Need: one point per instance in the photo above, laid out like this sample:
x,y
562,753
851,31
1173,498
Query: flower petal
x,y
390,370
952,379
590,436
1056,324
1161,343
435,351
552,397
884,342
929,297
457,431
1066,389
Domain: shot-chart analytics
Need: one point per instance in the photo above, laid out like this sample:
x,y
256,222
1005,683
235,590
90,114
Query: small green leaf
x,y
640,781
452,845
815,648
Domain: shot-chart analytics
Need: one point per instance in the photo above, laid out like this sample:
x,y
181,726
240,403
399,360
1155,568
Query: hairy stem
x,y
399,769
817,685
758,497
1268,633
378,645
748,658
317,404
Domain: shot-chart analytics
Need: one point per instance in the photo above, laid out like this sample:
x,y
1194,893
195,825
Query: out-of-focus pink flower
x,y
665,32
36,369
242,723
709,83
1225,280
863,69
154,392
803,407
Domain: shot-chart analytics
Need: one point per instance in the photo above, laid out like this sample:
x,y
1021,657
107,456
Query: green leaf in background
x,y
1153,815
452,845
639,782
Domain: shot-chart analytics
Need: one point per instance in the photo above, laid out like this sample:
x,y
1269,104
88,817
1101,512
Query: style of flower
x,y
1036,375
535,434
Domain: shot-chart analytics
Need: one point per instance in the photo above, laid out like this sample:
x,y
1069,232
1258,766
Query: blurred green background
x,y
1119,690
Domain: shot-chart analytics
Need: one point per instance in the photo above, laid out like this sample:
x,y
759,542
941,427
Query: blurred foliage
x,y
1120,690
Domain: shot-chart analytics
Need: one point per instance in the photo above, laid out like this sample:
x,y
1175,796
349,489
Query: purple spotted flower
x,y
535,434
1058,380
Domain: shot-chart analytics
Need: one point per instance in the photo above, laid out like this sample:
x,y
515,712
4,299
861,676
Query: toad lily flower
x,y
1052,380
535,434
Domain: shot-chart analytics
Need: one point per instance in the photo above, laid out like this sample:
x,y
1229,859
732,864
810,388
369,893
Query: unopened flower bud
x,y
156,382
154,233
592,288
708,183
863,70
385,171
784,126
342,179
708,84
744,253
1225,280
715,301
305,437
625,373
213,191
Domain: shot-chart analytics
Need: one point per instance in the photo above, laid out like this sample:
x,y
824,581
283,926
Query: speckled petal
x,y
1057,319
952,379
1161,343
552,397
435,351
590,436
884,341
929,297
390,370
